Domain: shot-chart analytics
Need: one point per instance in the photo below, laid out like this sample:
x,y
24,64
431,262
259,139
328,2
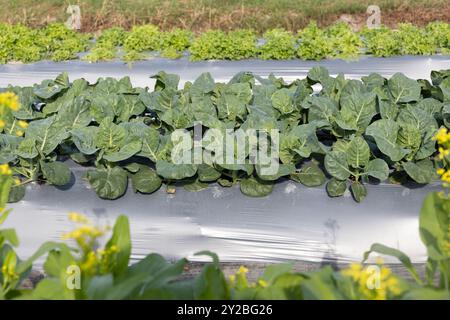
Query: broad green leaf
x,y
121,240
99,286
129,106
230,107
110,136
322,110
8,147
207,173
195,186
75,115
274,171
145,180
108,183
84,139
49,88
282,101
418,118
336,188
357,111
445,88
48,134
56,173
202,87
254,187
150,144
27,148
131,147
378,169
318,74
103,106
422,171
172,171
358,190
409,137
166,80
16,193
385,133
446,115
358,152
309,175
337,165
433,226
403,89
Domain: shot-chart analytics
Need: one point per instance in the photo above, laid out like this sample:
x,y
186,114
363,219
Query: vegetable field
x,y
177,148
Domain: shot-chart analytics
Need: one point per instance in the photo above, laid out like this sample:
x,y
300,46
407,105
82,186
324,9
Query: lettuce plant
x,y
279,44
215,44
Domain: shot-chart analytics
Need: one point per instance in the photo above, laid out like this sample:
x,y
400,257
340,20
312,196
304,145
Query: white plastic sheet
x,y
417,67
293,223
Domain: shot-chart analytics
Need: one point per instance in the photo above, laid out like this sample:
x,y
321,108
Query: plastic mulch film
x,y
292,223
417,67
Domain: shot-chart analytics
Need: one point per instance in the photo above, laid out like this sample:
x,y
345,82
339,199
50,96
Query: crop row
x,y
352,131
57,43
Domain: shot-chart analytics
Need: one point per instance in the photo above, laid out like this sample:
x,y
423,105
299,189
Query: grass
x,y
199,15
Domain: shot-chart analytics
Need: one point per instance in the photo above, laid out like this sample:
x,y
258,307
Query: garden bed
x,y
292,223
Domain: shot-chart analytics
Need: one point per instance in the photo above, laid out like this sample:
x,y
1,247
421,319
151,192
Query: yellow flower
x,y
440,171
443,153
23,124
17,181
9,100
446,176
242,269
19,133
5,169
90,263
442,136
372,283
262,283
354,271
2,124
79,218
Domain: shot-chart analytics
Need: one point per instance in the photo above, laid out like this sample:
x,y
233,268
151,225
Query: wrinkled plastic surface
x,y
417,67
294,222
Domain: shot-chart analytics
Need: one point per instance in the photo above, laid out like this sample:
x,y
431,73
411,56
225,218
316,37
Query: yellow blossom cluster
x,y
442,136
239,280
443,139
86,234
98,261
9,100
93,261
5,170
373,283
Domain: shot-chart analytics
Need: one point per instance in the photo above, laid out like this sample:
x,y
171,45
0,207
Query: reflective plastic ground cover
x,y
293,223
